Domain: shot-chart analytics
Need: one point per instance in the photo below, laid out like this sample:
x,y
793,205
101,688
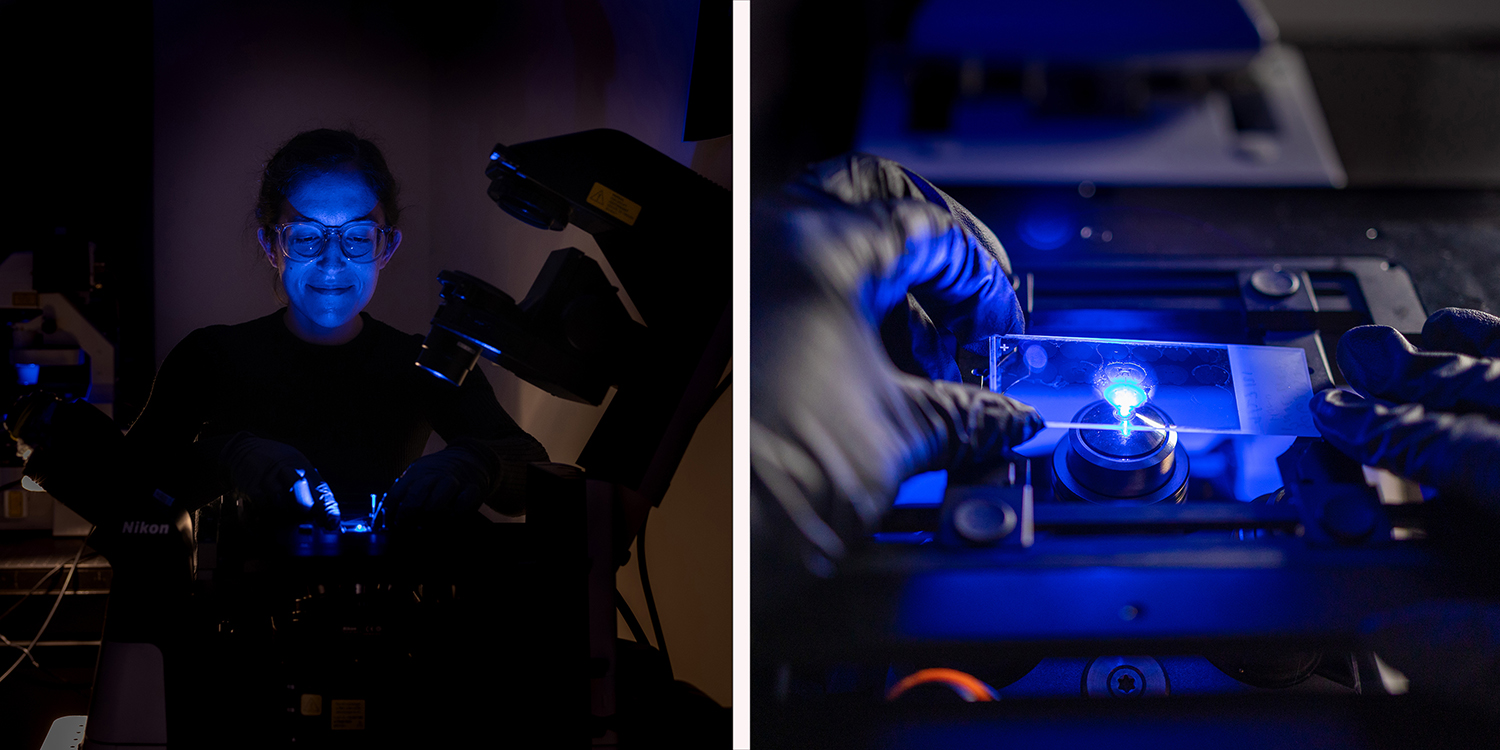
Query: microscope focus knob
x,y
982,520
1348,517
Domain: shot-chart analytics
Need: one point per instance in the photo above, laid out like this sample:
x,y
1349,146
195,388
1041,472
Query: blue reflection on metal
x,y
377,509
435,373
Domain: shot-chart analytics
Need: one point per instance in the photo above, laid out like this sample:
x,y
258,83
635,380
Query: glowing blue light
x,y
28,374
1125,396
494,156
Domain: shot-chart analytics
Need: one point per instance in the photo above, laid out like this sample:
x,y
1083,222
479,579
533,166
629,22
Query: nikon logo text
x,y
141,527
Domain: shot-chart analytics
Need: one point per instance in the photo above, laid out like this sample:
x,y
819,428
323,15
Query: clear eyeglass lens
x,y
307,241
361,241
303,240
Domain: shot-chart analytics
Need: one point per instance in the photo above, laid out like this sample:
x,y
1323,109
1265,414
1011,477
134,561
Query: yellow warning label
x,y
15,504
312,705
349,714
614,204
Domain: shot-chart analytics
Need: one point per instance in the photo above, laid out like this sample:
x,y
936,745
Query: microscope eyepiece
x,y
447,355
523,198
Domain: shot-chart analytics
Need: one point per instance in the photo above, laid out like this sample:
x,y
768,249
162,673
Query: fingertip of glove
x,y
1315,401
1033,423
1371,356
1335,397
1455,329
1449,316
1332,401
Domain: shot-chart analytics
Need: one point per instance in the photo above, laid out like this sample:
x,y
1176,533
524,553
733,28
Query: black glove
x,y
441,487
956,289
268,473
1429,414
835,427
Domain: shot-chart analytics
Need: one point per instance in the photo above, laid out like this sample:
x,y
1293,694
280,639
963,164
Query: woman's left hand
x,y
440,487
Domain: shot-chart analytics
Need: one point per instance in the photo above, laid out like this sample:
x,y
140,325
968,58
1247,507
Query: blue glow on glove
x,y
330,506
302,491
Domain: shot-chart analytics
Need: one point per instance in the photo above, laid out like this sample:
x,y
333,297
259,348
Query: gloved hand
x,y
1432,415
835,426
1427,414
441,486
278,479
956,294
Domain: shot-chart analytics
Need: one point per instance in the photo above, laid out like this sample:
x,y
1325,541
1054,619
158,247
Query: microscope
x,y
662,227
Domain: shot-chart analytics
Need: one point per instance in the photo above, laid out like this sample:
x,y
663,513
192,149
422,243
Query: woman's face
x,y
326,294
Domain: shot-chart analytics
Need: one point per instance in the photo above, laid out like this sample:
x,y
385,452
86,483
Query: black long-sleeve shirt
x,y
361,411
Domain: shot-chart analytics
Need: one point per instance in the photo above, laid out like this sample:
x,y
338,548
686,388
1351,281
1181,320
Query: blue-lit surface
x,y
923,489
28,374
1086,602
1080,30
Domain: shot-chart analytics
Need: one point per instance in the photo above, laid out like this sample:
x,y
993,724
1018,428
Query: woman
x,y
319,390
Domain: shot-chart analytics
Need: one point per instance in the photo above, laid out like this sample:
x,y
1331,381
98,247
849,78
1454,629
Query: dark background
x,y
1410,92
